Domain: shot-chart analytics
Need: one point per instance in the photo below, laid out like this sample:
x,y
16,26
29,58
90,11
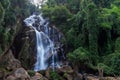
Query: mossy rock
x,y
3,72
31,72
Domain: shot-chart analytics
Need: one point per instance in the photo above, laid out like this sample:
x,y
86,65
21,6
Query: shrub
x,y
57,13
31,72
106,69
54,75
117,45
113,60
79,55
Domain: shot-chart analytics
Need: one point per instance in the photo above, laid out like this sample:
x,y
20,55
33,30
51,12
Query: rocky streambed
x,y
11,69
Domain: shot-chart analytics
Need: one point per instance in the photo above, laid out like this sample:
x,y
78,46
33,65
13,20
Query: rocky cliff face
x,y
24,47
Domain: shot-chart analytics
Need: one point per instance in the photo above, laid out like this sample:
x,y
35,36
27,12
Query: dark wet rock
x,y
24,47
65,69
85,76
2,74
78,77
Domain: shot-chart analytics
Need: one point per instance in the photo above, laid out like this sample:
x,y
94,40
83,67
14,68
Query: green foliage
x,y
117,45
106,69
65,75
31,72
106,25
11,11
108,15
73,5
21,7
56,13
5,4
0,50
117,2
71,36
103,3
5,36
10,18
93,25
2,12
54,76
113,60
79,55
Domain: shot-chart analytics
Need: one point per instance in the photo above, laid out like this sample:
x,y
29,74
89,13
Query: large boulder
x,y
19,73
65,69
38,76
78,76
8,61
92,78
13,64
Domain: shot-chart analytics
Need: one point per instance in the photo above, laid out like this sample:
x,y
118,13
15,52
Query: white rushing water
x,y
45,46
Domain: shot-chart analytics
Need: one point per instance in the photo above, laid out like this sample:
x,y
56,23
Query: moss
x,y
54,76
4,70
65,75
31,72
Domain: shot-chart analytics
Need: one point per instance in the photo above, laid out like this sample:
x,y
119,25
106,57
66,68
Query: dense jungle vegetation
x,y
91,29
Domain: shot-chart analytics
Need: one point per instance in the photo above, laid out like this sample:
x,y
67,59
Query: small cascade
x,y
46,41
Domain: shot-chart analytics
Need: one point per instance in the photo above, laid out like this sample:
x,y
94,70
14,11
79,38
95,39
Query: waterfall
x,y
46,52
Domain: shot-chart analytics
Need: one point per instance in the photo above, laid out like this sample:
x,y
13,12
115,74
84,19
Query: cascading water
x,y
45,43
